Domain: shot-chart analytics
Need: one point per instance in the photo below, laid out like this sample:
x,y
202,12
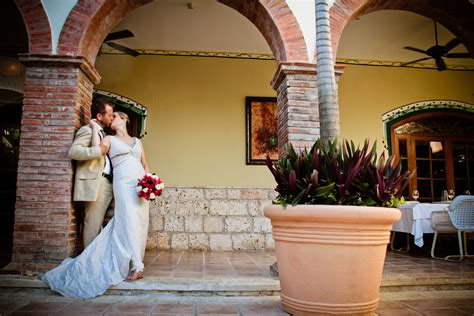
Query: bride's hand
x,y
94,125
95,141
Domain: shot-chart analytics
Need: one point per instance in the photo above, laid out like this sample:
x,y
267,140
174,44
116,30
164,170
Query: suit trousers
x,y
95,211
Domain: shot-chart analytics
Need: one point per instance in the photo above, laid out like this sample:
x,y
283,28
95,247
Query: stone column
x,y
298,115
57,98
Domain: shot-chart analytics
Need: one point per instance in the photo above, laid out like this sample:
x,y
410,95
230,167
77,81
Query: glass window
x,y
423,168
422,149
462,186
402,144
424,187
470,152
438,169
438,187
440,146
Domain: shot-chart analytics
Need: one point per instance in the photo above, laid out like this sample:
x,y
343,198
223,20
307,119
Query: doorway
x,y
440,147
10,117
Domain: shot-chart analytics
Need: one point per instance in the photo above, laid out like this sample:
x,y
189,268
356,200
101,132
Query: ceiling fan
x,y
437,52
119,35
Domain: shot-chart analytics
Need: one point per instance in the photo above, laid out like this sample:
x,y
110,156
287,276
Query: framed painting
x,y
262,129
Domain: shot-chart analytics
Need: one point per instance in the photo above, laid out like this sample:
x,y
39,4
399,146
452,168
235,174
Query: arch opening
x,y
12,43
136,112
435,138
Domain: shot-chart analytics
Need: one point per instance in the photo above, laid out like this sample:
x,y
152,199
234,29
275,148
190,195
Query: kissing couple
x,y
107,169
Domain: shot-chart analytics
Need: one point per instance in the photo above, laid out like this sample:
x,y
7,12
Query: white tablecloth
x,y
415,219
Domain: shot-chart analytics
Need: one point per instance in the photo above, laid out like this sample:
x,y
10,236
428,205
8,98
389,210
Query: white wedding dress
x,y
121,244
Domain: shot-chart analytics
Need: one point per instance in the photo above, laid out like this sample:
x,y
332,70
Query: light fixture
x,y
436,147
12,78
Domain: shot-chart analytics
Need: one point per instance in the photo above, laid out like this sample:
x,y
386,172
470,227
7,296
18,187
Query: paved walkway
x,y
198,264
396,298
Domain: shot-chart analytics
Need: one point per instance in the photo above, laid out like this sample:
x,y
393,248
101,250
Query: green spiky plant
x,y
339,174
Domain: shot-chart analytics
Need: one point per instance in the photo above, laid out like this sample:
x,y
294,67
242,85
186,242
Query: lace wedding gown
x,y
106,261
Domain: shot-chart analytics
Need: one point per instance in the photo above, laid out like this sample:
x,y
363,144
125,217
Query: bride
x,y
121,244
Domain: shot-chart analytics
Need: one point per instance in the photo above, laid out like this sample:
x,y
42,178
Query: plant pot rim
x,y
331,213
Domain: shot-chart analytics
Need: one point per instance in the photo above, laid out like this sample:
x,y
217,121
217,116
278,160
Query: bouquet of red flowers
x,y
150,187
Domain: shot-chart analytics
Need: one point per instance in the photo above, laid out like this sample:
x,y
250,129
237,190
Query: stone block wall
x,y
209,218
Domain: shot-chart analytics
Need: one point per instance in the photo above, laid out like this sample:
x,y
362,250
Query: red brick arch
x,y
278,25
90,21
37,25
57,98
455,15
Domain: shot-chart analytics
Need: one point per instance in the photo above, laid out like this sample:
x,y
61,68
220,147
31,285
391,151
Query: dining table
x,y
416,219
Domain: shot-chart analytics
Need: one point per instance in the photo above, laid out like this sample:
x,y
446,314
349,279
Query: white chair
x,y
459,218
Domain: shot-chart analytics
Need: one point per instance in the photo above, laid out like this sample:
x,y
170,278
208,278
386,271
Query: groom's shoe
x,y
134,275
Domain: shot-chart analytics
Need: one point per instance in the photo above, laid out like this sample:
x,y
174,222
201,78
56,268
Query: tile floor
x,y
193,264
198,264
406,265
147,306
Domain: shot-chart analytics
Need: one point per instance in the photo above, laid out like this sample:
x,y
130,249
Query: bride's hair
x,y
124,117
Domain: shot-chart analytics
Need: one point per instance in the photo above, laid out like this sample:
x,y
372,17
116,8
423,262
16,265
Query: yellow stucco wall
x,y
196,114
196,109
366,93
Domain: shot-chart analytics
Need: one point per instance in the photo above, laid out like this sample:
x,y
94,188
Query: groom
x,y
93,180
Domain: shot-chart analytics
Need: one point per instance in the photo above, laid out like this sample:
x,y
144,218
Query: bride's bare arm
x,y
143,160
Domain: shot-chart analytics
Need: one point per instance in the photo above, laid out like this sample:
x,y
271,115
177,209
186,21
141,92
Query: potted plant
x,y
331,225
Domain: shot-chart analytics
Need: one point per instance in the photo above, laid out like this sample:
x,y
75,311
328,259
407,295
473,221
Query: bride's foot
x,y
134,275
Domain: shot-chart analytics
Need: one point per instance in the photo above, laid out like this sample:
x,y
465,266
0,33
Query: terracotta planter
x,y
330,258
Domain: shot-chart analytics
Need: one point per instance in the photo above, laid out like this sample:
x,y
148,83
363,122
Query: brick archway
x,y
37,25
88,24
278,25
455,15
57,98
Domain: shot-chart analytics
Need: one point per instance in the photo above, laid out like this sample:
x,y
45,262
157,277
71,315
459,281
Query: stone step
x,y
238,287
156,285
427,282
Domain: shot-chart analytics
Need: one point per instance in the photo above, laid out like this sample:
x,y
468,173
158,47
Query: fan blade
x,y
440,64
416,50
415,61
451,44
458,55
118,35
124,49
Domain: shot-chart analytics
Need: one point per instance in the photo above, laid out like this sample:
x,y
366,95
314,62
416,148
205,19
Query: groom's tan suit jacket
x,y
90,165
